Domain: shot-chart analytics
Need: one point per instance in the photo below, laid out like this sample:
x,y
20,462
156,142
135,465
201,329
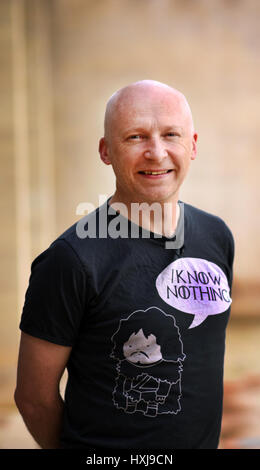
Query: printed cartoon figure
x,y
149,351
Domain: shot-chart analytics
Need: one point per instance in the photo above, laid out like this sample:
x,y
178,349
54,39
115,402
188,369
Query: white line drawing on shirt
x,y
149,352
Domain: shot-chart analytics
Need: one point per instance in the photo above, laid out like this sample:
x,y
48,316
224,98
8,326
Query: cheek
x,y
124,166
126,351
181,149
182,157
121,155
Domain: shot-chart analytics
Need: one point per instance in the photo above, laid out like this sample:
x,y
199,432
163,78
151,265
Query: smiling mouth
x,y
155,172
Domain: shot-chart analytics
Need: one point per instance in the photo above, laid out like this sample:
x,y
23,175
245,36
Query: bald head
x,y
139,92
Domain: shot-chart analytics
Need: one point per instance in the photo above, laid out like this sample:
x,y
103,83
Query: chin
x,y
158,197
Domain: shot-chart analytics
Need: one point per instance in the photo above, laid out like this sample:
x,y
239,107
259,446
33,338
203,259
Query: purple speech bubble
x,y
196,286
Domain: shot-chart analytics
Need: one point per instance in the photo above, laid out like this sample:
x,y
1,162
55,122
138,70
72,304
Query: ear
x,y
194,146
103,151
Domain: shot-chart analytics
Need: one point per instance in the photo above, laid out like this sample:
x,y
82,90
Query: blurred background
x,y
60,60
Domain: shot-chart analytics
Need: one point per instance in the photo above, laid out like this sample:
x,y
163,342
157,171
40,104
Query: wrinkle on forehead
x,y
136,93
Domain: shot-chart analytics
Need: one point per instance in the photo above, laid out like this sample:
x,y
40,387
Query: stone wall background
x,y
60,60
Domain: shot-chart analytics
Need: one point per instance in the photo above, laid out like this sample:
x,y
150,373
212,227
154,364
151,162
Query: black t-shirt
x,y
147,329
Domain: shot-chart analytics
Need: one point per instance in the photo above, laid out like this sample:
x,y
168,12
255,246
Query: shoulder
x,y
82,242
58,260
207,220
86,228
211,230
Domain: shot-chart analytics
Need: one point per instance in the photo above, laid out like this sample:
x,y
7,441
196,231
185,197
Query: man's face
x,y
150,144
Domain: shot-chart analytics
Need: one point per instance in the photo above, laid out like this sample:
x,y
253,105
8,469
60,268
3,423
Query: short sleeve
x,y
230,254
55,299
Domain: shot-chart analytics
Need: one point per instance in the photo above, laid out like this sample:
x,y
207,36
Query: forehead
x,y
138,106
148,99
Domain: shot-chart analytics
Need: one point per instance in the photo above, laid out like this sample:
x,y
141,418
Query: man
x,y
137,318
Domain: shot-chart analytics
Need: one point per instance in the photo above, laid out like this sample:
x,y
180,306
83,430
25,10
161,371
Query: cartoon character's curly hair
x,y
151,321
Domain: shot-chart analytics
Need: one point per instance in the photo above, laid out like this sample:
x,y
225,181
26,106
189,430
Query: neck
x,y
157,217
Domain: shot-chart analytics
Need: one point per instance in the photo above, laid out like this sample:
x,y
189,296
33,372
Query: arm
x,y
40,368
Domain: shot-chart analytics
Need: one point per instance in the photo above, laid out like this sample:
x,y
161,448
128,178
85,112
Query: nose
x,y
155,149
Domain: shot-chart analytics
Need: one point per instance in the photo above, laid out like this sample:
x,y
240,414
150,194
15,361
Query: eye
x,y
172,134
135,137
